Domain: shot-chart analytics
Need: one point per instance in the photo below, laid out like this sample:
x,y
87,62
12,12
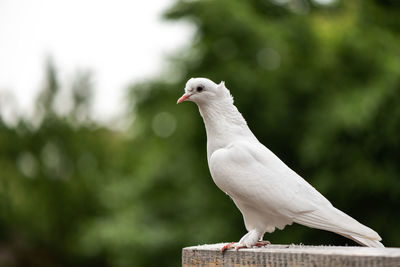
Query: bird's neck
x,y
224,124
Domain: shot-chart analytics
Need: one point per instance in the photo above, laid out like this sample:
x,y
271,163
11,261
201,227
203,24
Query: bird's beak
x,y
183,98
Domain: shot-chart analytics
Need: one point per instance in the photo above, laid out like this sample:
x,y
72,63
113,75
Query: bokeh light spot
x,y
164,124
325,2
27,164
268,59
225,48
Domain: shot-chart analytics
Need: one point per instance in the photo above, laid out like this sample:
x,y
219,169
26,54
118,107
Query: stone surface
x,y
290,255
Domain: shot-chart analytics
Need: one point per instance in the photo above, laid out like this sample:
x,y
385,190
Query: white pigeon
x,y
268,193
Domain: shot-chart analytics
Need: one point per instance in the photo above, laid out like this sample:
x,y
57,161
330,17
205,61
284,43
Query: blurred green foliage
x,y
318,84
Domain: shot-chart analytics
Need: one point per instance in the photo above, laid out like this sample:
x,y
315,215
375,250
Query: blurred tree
x,y
82,94
50,172
45,101
318,84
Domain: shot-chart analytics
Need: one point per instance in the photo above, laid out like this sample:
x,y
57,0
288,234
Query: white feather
x,y
268,193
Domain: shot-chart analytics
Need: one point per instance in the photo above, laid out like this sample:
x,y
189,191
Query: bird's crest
x,y
223,90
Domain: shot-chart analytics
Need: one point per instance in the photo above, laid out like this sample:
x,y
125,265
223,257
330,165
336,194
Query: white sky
x,y
119,41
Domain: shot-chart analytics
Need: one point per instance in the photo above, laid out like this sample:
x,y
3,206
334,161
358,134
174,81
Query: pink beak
x,y
183,98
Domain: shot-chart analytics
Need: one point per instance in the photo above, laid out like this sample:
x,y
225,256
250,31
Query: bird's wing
x,y
252,174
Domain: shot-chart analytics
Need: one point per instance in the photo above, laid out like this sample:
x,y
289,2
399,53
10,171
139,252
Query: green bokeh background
x,y
319,84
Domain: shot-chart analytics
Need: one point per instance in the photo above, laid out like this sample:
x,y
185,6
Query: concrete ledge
x,y
290,255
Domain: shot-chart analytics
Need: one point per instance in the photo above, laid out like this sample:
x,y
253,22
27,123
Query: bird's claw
x,y
227,246
238,246
262,243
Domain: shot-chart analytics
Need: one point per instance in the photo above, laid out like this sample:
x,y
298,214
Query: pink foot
x,y
234,245
237,246
227,246
262,243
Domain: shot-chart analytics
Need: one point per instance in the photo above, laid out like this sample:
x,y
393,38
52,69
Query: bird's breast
x,y
227,177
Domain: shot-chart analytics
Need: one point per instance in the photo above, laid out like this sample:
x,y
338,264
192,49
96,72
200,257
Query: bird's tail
x,y
334,220
366,241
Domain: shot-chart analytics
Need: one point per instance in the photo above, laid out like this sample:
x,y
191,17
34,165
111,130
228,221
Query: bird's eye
x,y
199,88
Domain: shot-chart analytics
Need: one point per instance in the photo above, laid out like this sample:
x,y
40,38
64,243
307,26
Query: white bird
x,y
267,192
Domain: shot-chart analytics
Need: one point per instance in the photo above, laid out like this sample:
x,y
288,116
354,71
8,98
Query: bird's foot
x,y
262,243
234,245
238,246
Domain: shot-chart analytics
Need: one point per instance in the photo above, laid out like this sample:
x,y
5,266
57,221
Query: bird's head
x,y
203,90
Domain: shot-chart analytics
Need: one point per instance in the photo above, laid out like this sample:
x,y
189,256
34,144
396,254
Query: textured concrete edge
x,y
321,250
290,256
